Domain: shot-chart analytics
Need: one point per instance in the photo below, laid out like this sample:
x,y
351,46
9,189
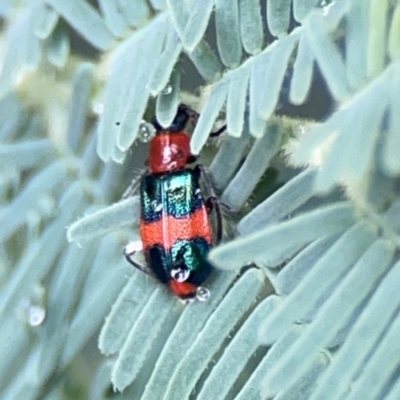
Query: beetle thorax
x,y
169,151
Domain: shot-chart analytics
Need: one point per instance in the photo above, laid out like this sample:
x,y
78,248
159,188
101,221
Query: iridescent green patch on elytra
x,y
187,255
175,193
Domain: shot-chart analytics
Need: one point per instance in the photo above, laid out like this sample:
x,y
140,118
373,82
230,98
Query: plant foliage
x,y
318,319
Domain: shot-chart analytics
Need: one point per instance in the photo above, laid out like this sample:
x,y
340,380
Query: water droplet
x,y
167,90
31,314
36,315
31,310
133,247
146,132
202,294
325,5
98,108
180,274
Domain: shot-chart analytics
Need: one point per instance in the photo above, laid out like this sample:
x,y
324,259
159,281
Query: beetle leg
x,y
131,189
212,202
194,115
200,171
218,132
130,250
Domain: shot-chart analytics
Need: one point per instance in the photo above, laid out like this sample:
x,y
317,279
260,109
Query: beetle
x,y
175,227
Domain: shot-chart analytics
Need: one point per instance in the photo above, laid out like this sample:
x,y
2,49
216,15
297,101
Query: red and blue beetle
x,y
175,227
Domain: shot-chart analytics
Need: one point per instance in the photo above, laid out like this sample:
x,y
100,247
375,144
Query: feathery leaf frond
x,y
314,199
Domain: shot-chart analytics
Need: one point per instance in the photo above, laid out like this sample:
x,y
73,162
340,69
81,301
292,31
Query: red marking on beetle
x,y
169,151
182,288
168,229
